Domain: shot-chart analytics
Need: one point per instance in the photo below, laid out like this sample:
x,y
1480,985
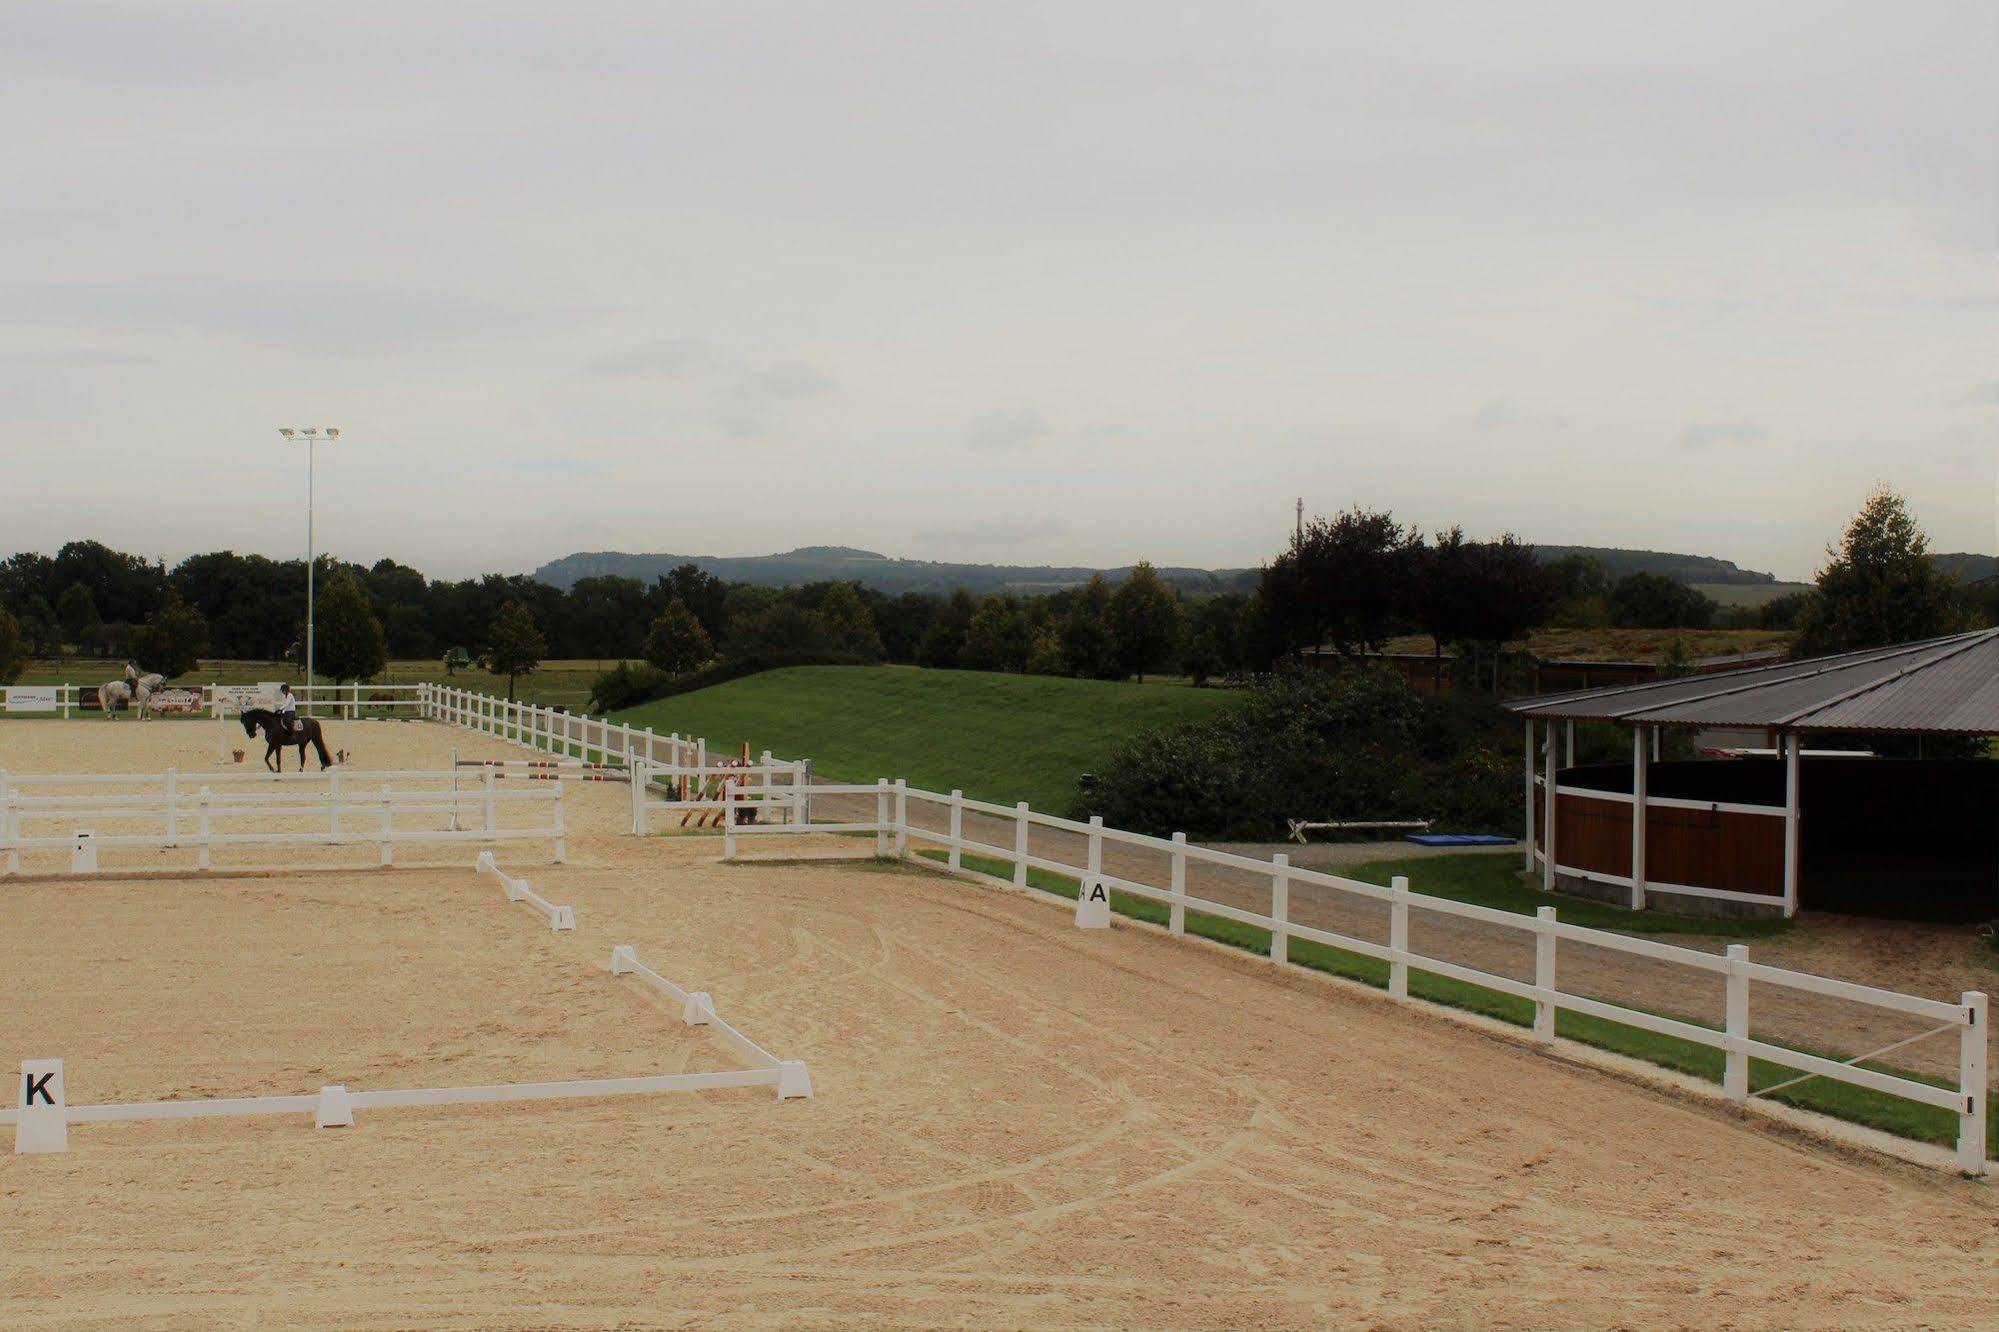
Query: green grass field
x,y
997,737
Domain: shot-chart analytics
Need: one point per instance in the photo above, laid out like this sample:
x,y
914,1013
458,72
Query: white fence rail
x,y
349,808
351,701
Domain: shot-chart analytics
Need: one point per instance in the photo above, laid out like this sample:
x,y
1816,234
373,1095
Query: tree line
x,y
1347,583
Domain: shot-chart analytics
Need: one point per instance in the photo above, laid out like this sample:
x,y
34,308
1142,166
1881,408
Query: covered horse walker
x,y
1807,819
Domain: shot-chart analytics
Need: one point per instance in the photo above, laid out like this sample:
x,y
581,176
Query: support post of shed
x,y
1569,743
1792,744
1527,801
1548,817
1640,782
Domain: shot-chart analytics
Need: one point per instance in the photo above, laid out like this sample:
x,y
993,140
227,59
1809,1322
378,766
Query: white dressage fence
x,y
351,701
787,787
334,807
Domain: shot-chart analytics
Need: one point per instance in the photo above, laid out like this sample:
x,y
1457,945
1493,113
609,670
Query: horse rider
x,y
287,708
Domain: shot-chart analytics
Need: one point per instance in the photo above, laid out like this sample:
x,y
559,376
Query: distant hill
x,y
1966,567
1722,579
1687,568
816,564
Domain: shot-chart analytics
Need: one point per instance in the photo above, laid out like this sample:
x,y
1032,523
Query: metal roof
x,y
1948,685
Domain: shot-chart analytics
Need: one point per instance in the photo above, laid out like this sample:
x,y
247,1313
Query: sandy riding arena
x,y
1013,1122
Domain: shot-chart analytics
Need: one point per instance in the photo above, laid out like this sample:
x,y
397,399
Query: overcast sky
x,y
1071,282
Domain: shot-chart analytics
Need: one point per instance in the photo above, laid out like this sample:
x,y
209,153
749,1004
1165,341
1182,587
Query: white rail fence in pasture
x,y
85,813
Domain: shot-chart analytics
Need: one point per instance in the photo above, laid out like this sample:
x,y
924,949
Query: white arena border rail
x,y
1966,1018
567,733
352,702
360,808
559,917
42,1115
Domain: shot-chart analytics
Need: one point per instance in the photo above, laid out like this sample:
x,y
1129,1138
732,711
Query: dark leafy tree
x,y
943,643
515,646
704,595
1001,637
13,653
1343,582
176,636
849,624
1654,601
677,642
780,628
1879,586
1146,621
348,642
76,608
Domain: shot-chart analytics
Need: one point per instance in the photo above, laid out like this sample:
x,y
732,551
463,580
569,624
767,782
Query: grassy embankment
x,y
996,737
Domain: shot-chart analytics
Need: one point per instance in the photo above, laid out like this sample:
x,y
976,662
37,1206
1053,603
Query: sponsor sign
x,y
237,698
31,698
174,698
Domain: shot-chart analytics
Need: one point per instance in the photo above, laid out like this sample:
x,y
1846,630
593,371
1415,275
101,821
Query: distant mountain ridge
x,y
818,564
887,574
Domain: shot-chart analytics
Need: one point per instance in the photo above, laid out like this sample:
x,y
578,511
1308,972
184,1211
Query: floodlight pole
x,y
311,434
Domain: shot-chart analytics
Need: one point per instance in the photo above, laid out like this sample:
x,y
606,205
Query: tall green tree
x,y
515,646
347,639
1879,586
677,643
12,655
176,636
1146,621
1088,650
1344,581
849,622
1001,637
76,610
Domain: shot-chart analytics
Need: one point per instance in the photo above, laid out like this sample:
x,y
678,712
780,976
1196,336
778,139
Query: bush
x,y
1353,744
627,685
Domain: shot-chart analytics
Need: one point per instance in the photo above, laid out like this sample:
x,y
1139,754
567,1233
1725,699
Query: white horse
x,y
118,694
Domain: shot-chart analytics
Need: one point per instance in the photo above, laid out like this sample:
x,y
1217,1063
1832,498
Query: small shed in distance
x,y
1805,827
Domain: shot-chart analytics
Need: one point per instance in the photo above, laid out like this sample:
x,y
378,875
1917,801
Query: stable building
x,y
1810,819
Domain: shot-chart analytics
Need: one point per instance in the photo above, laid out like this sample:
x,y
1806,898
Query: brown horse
x,y
276,737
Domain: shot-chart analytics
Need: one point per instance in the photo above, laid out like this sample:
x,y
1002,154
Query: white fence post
x,y
207,859
957,825
728,823
1176,919
1020,845
1398,937
881,812
333,783
1094,860
489,796
1971,1078
1544,975
388,828
173,814
7,825
1280,908
641,777
561,828
1735,1024
901,818
801,782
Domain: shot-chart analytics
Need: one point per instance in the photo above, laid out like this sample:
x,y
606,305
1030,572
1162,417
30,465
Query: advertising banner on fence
x,y
31,698
237,698
176,698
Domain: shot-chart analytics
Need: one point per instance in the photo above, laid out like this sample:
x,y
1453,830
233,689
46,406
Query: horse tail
x,y
319,743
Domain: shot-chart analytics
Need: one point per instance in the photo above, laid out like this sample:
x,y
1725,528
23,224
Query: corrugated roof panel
x,y
1943,684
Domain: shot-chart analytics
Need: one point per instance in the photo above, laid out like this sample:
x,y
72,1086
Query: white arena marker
x,y
623,958
1093,906
83,852
43,1124
793,1082
698,1009
563,919
335,1109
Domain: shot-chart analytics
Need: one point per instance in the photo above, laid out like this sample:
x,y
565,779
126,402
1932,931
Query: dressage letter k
x,y
38,1087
